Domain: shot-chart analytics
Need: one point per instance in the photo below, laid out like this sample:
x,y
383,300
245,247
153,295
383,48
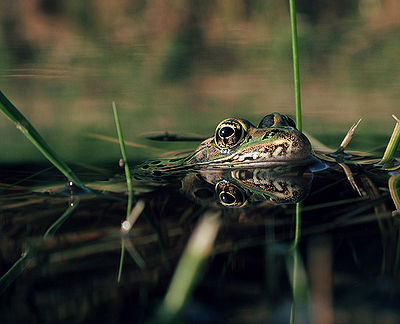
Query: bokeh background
x,y
182,66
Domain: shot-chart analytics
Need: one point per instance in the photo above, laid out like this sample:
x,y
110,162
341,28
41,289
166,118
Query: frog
x,y
248,187
237,143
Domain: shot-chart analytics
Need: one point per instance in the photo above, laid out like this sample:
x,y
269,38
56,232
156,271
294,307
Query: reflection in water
x,y
248,186
348,193
248,258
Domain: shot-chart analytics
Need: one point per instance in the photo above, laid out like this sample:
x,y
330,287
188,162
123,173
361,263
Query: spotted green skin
x,y
279,143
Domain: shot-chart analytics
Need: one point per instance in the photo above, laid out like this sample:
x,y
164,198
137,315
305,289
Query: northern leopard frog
x,y
239,144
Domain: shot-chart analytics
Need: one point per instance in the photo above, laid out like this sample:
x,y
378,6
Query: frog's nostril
x,y
270,133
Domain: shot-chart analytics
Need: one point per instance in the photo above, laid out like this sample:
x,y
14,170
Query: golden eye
x,y
229,195
230,133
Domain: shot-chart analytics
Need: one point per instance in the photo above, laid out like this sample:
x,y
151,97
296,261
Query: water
x,y
161,81
347,250
182,73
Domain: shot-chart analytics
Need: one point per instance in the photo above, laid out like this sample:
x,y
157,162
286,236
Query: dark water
x,y
347,261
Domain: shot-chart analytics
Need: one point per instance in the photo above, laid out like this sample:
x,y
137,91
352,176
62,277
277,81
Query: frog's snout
x,y
286,145
299,145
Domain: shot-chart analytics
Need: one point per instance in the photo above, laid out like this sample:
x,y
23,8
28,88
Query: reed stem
x,y
125,159
296,69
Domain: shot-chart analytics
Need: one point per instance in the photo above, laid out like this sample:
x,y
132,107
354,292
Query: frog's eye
x,y
290,121
267,121
276,120
229,195
230,133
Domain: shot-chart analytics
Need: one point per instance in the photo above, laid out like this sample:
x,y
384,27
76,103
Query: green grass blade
x,y
296,69
32,134
125,158
128,182
393,144
296,74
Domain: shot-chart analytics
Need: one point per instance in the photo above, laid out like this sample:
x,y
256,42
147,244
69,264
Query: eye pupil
x,y
226,132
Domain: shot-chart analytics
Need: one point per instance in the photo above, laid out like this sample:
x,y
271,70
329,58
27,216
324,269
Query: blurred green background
x,y
182,66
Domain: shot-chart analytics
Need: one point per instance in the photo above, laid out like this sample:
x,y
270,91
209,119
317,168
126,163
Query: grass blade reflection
x,y
189,268
57,224
18,267
300,290
297,233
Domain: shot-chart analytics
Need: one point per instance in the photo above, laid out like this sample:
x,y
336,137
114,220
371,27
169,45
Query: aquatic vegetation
x,y
296,68
392,146
36,139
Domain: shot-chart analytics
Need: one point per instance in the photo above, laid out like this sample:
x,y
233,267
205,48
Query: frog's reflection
x,y
249,186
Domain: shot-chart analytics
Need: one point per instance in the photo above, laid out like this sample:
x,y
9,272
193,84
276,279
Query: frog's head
x,y
238,143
